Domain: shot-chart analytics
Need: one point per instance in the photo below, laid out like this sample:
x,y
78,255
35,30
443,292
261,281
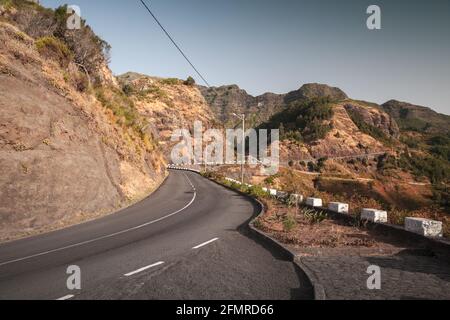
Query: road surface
x,y
186,241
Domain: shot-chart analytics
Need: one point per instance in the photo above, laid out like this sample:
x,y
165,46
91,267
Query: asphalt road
x,y
188,240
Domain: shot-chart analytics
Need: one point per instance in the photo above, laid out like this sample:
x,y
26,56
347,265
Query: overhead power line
x,y
174,43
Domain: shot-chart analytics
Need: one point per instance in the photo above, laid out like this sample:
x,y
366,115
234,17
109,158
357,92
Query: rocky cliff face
x,y
374,116
168,105
417,118
65,157
345,136
343,139
313,91
226,100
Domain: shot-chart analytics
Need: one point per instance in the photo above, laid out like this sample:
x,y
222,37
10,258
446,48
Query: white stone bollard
x,y
282,195
374,215
314,202
424,227
338,207
297,198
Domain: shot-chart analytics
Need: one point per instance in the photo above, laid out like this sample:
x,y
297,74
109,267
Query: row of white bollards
x,y
421,226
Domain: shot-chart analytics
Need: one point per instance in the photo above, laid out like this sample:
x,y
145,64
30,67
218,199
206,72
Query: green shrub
x,y
291,135
170,81
410,142
441,195
90,52
257,192
312,167
321,163
435,169
413,124
289,223
271,180
258,224
214,176
368,129
235,185
440,146
306,121
53,48
81,82
314,216
6,4
122,107
128,89
189,81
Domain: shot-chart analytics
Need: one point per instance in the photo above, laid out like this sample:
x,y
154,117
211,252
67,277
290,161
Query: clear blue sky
x,y
277,46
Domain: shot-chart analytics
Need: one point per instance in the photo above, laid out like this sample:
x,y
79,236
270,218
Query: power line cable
x,y
174,43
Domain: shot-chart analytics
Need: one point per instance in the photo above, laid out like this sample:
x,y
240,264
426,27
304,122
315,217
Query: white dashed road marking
x,y
109,235
205,243
143,269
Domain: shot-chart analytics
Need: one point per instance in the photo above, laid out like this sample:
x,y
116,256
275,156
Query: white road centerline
x,y
205,243
107,236
143,269
70,296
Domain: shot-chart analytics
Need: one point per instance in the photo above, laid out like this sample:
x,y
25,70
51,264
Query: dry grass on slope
x,y
66,157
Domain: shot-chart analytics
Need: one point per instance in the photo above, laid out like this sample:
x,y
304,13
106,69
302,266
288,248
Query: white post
x,y
242,118
243,149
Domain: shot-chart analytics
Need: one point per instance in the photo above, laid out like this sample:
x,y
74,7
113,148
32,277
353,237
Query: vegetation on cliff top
x,y
304,121
49,28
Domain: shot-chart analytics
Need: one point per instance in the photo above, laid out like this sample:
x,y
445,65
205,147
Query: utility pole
x,y
242,118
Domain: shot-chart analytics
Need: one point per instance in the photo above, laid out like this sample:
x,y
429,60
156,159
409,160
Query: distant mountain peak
x,y
311,91
417,118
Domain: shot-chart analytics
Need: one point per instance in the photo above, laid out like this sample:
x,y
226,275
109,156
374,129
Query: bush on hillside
x,y
122,107
410,141
170,81
127,89
289,223
368,129
89,52
189,81
53,48
33,19
307,121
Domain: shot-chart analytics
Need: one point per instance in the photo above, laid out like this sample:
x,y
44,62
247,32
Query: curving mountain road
x,y
186,241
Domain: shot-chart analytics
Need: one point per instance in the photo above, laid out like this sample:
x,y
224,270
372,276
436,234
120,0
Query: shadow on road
x,y
305,291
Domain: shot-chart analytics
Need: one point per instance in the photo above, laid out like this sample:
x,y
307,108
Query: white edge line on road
x,y
143,269
109,235
205,243
70,296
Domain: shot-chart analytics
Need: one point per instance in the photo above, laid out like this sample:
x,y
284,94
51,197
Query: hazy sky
x,y
277,46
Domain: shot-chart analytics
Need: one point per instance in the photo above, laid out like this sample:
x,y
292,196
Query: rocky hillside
x,y
396,153
226,100
313,91
321,121
417,118
72,144
167,105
